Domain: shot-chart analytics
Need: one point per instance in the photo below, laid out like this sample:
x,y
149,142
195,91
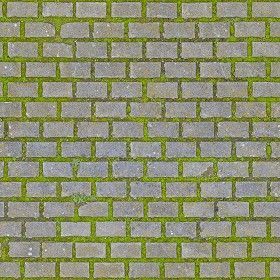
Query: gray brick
x,y
110,149
274,29
40,189
23,129
198,169
110,109
231,9
75,229
9,29
161,49
57,89
146,269
90,250
180,229
275,146
162,10
274,269
251,149
10,229
147,109
250,109
76,149
233,129
127,129
215,70
53,9
196,250
111,189
128,169
112,270
57,50
263,9
10,269
143,30
197,50
196,10
91,90
126,89
10,149
39,269
41,149
58,209
10,69
75,30
163,129
109,69
126,9
215,229
145,69
41,109
145,149
266,169
40,229
161,250
145,189
233,209
76,109
75,69
40,69
90,10
232,49
179,270
38,29
217,189
198,129
215,269
214,30
265,249
215,109
22,49
266,209
162,169
22,9
250,269
56,250
93,129
180,149
110,229
266,129
162,209
145,229
198,209
71,188
251,189
275,69
266,49
128,209
197,90
108,30
232,89
94,209
126,250
127,49
233,169
180,189
180,69
57,169
266,89
76,269
24,249
25,89
92,169
249,29
250,69
10,189
215,149
250,229
226,250
179,30
58,129
23,169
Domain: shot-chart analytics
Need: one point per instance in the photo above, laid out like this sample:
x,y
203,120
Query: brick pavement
x,y
139,139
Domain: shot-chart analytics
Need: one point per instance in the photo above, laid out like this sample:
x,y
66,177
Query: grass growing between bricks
x,y
139,139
